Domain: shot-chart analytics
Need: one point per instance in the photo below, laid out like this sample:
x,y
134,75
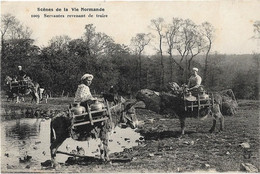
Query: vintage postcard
x,y
130,86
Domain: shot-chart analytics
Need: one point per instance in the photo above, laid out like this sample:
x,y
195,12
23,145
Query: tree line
x,y
180,45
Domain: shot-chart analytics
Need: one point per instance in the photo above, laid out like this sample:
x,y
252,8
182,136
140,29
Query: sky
x,y
232,19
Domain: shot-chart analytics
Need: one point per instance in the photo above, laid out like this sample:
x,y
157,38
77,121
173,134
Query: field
x,y
163,150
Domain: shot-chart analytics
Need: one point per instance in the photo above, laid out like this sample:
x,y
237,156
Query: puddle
x,y
32,137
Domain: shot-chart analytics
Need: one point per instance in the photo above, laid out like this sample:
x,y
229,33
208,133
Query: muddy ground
x,y
164,150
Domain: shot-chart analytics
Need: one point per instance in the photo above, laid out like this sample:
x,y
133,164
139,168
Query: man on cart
x,y
22,77
21,73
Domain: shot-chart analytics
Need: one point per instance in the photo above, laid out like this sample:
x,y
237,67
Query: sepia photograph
x,y
130,86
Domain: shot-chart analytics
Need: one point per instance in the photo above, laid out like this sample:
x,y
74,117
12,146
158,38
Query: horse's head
x,y
145,94
128,115
28,79
151,99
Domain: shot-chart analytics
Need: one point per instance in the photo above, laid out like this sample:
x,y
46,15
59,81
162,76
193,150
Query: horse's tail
x,y
53,134
38,91
35,88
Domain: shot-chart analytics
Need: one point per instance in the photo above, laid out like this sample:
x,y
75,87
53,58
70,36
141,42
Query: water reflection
x,y
23,129
32,136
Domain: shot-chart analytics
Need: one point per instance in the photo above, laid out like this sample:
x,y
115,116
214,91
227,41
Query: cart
x,y
91,117
198,103
19,84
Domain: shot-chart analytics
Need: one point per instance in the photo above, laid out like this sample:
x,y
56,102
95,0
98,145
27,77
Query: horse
x,y
61,127
167,103
22,88
6,88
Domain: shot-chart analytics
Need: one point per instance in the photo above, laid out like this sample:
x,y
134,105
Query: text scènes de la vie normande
x,y
72,9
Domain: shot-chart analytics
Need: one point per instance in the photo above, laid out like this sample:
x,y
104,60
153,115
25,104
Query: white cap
x,y
19,66
89,76
195,69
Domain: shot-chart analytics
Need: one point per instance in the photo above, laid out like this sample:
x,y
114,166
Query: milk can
x,y
96,106
77,109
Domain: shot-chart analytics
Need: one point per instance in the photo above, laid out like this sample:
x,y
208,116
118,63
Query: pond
x,y
29,136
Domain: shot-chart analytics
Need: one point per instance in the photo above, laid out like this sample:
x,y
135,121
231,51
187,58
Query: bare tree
x,y
189,43
158,25
12,29
185,40
208,32
171,39
197,46
7,22
257,29
139,42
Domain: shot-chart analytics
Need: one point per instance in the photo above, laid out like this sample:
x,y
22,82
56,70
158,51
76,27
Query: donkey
x,y
62,128
166,103
22,88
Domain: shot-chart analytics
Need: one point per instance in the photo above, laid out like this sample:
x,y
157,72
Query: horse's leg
x,y
55,144
54,147
33,98
37,98
182,121
214,125
221,120
105,150
17,99
101,150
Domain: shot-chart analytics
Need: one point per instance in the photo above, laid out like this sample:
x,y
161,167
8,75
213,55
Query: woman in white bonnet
x,y
83,93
